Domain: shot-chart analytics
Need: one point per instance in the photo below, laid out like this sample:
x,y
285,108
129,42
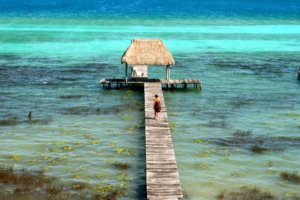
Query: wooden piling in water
x,y
161,168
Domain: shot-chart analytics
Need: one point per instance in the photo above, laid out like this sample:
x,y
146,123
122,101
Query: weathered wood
x,y
161,168
134,81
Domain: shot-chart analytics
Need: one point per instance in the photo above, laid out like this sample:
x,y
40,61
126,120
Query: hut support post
x,y
168,73
126,73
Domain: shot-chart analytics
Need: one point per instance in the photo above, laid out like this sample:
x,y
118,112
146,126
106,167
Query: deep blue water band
x,y
209,8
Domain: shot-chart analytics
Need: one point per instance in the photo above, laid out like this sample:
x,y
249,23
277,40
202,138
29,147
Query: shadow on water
x,y
142,194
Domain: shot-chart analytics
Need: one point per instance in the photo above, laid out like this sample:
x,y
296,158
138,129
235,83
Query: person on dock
x,y
157,107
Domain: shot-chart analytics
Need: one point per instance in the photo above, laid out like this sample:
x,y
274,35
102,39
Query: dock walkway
x,y
161,168
110,83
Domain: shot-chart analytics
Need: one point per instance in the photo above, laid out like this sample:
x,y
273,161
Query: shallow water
x,y
78,130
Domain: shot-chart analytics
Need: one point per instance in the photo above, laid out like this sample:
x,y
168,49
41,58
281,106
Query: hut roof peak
x,y
147,52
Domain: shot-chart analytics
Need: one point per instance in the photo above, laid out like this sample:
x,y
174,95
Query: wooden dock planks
x,y
161,168
171,84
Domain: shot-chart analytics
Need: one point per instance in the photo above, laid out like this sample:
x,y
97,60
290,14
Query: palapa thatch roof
x,y
147,52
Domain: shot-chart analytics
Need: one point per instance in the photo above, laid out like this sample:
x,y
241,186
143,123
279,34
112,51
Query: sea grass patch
x,y
292,177
31,185
22,181
258,149
12,121
77,110
71,96
242,101
63,78
42,121
79,70
257,144
121,165
109,192
218,124
87,110
261,68
246,193
242,133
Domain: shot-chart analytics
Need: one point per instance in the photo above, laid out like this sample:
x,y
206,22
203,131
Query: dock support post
x,y
126,73
168,73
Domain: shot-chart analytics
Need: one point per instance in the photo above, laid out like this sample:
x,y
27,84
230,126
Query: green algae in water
x,y
15,157
203,154
200,165
55,150
121,150
109,192
173,125
293,114
201,141
127,117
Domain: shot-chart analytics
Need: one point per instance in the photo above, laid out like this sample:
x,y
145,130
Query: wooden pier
x,y
162,176
161,168
171,84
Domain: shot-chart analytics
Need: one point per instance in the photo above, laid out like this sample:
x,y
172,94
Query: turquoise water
x,y
52,67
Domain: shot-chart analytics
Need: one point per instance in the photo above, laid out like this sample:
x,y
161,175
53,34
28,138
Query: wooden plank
x,y
151,197
161,168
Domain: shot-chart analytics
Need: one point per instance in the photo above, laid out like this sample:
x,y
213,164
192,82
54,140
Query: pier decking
x,y
171,84
161,168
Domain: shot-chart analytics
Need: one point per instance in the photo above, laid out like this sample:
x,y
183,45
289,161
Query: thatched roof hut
x,y
143,52
147,52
